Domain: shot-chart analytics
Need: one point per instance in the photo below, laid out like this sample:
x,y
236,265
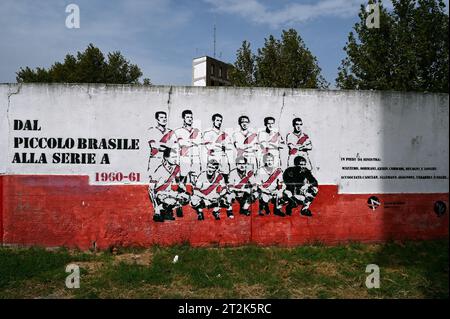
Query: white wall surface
x,y
402,130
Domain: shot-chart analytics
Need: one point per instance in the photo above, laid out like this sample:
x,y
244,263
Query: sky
x,y
163,36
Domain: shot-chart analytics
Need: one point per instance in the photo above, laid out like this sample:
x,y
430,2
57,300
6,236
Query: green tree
x,y
147,82
243,72
89,66
409,52
297,65
267,71
285,62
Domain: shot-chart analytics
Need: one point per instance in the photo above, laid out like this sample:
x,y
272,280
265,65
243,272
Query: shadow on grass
x,y
20,265
428,268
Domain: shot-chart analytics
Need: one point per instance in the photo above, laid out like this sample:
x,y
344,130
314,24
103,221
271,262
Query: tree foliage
x,y
243,73
285,62
89,66
409,52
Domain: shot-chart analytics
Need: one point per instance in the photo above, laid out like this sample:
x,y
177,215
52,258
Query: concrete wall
x,y
380,158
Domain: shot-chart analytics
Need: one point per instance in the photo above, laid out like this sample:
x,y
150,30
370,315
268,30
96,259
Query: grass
x,y
408,270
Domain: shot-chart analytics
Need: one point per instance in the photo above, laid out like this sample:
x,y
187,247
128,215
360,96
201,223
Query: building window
x,y
220,72
212,83
212,69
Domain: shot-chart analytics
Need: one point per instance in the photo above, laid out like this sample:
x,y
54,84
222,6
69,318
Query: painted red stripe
x,y
250,138
67,211
221,137
302,139
244,180
184,150
212,186
272,178
194,134
169,180
167,137
274,138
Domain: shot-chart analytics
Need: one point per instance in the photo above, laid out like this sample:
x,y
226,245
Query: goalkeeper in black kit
x,y
301,187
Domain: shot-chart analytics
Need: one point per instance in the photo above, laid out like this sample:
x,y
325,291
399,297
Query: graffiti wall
x,y
96,165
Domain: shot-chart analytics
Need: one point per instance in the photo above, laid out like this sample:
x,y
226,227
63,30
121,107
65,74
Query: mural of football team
x,y
215,170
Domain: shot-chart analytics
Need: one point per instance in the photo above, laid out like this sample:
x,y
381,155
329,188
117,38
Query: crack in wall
x,y
88,92
281,111
19,87
169,102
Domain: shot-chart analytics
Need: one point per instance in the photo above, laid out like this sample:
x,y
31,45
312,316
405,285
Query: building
x,y
207,71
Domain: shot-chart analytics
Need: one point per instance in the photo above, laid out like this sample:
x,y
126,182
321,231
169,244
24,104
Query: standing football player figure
x,y
301,187
271,141
209,192
189,142
159,138
242,186
216,143
246,143
165,190
298,143
270,186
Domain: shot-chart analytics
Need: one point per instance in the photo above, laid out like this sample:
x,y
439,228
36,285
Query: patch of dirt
x,y
372,248
250,291
302,293
90,266
326,269
143,259
32,289
57,294
352,293
179,288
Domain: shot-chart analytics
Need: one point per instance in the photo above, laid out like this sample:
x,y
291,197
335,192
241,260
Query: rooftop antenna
x,y
214,40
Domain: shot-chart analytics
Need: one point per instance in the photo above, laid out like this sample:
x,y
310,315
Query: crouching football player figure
x,y
242,186
210,191
165,191
270,186
301,186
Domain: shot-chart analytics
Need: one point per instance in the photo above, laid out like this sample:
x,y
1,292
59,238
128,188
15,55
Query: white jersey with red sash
x,y
209,189
189,141
216,143
163,188
270,185
246,143
164,180
271,143
269,181
239,181
158,138
295,143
